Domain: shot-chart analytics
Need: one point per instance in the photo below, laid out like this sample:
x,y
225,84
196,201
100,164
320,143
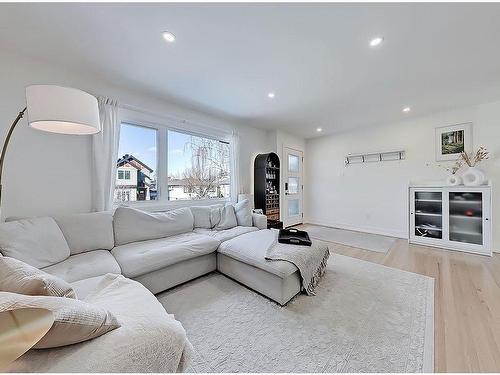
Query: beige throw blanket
x,y
310,260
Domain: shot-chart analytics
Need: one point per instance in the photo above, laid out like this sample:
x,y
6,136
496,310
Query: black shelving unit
x,y
267,187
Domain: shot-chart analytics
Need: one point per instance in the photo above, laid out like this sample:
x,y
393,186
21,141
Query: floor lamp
x,y
20,329
56,109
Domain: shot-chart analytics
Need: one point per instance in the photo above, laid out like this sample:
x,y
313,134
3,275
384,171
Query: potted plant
x,y
474,176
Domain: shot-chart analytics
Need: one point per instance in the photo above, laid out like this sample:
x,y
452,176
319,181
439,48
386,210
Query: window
x,y
136,164
198,167
123,175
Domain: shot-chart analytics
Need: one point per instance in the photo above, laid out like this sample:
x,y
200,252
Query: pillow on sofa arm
x,y
259,220
74,321
19,277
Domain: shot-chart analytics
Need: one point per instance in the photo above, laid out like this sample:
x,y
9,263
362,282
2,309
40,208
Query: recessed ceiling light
x,y
376,41
271,95
168,36
406,109
319,130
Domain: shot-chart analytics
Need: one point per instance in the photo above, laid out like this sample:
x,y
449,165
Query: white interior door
x,y
293,187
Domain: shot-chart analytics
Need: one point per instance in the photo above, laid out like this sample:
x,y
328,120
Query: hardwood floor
x,y
466,301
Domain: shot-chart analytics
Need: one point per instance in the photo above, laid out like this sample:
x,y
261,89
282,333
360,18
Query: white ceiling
x,y
315,57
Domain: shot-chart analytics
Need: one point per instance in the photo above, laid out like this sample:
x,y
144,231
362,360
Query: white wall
x,y
373,197
48,174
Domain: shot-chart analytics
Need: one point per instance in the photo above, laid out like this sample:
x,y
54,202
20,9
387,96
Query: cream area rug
x,y
364,318
365,241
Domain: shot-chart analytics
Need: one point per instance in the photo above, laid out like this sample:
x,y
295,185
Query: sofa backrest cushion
x,y
243,212
37,241
133,225
87,232
202,215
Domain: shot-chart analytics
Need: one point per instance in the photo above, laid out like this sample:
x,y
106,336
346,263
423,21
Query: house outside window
x,y
136,169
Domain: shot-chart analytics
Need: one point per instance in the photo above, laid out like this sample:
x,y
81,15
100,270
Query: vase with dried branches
x,y
474,176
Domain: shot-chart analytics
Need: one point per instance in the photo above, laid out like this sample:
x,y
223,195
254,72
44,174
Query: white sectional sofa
x,y
153,251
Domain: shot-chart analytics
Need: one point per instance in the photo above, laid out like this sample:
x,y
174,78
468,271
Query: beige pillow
x,y
74,320
19,277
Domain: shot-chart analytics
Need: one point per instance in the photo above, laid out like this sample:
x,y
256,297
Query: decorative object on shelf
x,y
374,157
267,185
451,141
453,179
20,329
56,109
474,176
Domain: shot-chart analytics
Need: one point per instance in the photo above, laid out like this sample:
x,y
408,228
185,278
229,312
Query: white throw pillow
x,y
201,216
133,225
37,241
243,213
19,277
74,320
227,218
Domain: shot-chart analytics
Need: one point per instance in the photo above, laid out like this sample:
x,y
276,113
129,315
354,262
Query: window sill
x,y
156,206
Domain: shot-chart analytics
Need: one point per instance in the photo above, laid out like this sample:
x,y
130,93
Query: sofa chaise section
x,y
243,259
149,339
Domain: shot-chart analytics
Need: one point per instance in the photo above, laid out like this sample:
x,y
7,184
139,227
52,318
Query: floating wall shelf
x,y
370,157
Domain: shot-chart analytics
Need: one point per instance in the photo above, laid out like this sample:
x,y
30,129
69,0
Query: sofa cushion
x,y
227,234
139,258
133,225
19,277
227,218
149,339
85,265
37,241
74,320
251,248
86,232
243,212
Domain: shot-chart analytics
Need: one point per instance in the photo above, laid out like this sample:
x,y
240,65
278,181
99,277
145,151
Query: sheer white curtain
x,y
235,166
104,154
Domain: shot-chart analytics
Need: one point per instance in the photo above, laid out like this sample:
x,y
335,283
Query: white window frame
x,y
162,126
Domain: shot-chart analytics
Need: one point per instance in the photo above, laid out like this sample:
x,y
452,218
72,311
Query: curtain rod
x,y
171,118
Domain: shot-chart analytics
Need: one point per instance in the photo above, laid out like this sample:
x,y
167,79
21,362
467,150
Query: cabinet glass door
x,y
429,214
466,217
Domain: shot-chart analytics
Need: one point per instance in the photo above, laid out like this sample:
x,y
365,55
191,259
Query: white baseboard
x,y
380,231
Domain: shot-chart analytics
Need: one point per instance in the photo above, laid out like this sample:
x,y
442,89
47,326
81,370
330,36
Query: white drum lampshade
x,y
63,110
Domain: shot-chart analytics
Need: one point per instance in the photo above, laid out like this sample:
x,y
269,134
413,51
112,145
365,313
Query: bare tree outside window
x,y
205,169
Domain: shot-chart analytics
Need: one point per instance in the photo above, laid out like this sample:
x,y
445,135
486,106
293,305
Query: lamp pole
x,y
4,149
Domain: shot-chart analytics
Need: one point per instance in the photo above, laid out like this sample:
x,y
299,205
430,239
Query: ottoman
x,y
242,259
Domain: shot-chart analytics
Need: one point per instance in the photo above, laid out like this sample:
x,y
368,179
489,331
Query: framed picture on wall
x,y
453,140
